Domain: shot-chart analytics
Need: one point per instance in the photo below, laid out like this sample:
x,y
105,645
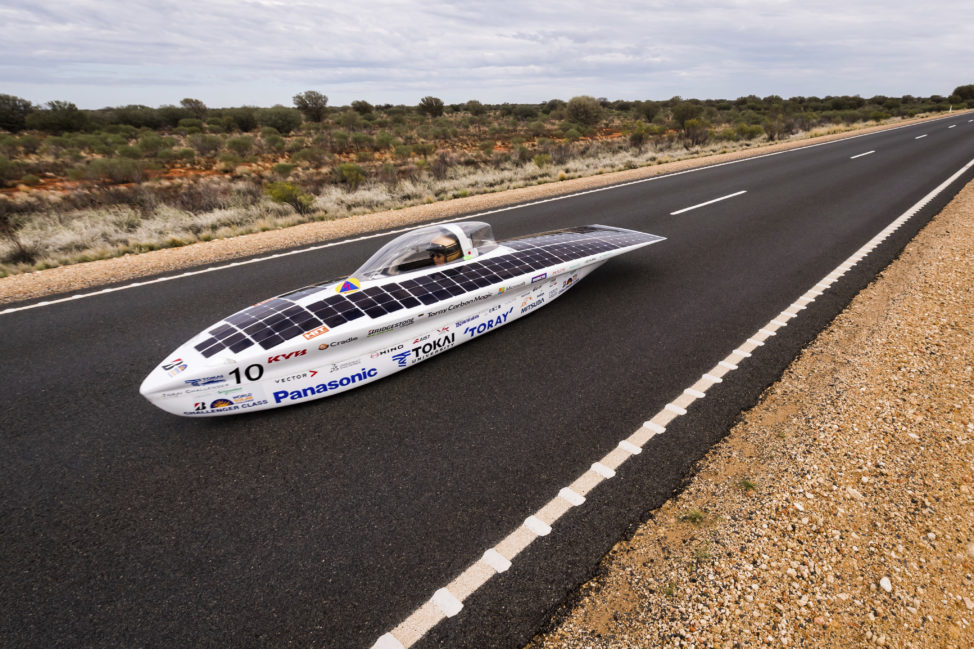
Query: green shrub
x,y
290,194
116,170
273,142
206,145
282,169
279,117
241,145
350,174
584,110
542,160
30,180
9,170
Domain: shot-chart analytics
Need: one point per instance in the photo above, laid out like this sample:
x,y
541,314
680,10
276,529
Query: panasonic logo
x,y
321,388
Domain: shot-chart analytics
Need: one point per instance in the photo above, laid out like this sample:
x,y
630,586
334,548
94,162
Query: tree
x,y
194,107
58,117
432,106
282,118
14,112
311,104
584,110
684,112
476,108
361,107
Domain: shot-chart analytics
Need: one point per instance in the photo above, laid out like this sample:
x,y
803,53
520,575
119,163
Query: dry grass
x,y
57,232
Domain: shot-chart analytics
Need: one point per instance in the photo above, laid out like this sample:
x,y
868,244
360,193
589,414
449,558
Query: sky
x,y
98,53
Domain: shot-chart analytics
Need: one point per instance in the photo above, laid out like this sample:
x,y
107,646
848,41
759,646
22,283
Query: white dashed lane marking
x,y
716,200
449,600
862,154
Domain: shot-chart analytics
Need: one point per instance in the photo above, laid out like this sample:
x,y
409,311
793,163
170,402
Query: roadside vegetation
x,y
77,185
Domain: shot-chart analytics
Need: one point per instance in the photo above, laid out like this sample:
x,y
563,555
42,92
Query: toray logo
x,y
289,355
488,325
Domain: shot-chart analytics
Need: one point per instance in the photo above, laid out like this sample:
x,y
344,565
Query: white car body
x,y
397,310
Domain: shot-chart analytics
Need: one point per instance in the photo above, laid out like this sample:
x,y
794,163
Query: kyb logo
x,y
289,355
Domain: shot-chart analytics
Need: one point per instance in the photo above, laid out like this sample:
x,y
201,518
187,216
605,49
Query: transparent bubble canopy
x,y
412,251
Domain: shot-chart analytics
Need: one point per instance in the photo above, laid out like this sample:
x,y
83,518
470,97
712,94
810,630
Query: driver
x,y
444,248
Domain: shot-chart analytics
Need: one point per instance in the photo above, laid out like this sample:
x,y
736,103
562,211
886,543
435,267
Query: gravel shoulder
x,y
839,512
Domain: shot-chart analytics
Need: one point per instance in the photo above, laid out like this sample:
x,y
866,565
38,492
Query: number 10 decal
x,y
252,373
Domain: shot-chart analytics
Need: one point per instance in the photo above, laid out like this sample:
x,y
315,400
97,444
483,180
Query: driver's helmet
x,y
445,245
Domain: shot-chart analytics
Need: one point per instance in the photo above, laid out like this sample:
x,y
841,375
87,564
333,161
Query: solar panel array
x,y
280,319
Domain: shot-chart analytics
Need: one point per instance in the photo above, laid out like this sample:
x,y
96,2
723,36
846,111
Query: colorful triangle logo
x,y
350,284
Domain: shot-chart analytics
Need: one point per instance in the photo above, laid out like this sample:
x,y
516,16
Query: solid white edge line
x,y
496,560
447,602
537,525
573,498
716,200
630,448
387,641
675,409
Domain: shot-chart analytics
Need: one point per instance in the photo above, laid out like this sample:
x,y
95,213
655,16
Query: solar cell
x,y
279,319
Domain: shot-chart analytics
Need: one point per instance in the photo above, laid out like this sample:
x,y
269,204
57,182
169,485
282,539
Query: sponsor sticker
x,y
488,324
434,347
287,356
314,333
206,380
349,285
321,388
389,327
175,366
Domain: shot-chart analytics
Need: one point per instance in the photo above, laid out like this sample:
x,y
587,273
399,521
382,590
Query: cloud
x,y
262,52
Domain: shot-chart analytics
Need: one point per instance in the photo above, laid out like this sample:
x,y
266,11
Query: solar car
x,y
421,294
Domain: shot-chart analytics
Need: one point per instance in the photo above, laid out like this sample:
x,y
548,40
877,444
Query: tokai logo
x,y
289,355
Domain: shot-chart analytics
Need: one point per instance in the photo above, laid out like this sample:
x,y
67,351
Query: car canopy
x,y
411,251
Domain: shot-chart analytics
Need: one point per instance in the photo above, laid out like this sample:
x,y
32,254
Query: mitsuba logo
x,y
284,357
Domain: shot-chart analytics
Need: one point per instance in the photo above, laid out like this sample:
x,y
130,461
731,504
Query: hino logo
x,y
284,357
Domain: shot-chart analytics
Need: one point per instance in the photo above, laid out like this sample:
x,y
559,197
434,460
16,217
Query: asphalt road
x,y
327,524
